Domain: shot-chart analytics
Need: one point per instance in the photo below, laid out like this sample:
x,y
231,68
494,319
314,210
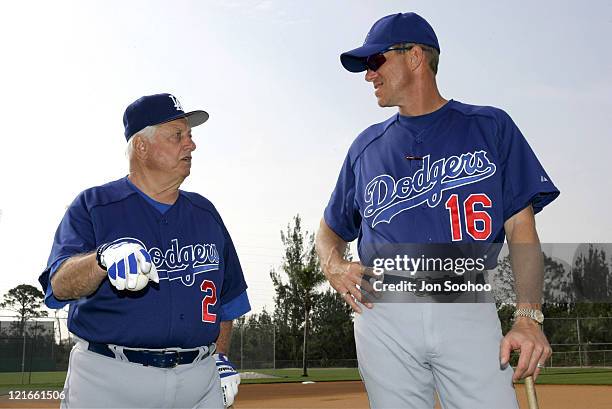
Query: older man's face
x,y
171,147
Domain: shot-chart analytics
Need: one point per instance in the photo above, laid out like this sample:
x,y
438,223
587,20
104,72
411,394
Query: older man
x,y
438,171
151,275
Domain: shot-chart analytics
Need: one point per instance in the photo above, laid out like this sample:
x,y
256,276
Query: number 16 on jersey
x,y
477,222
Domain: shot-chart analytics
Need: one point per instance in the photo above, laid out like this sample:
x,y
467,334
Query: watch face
x,y
539,317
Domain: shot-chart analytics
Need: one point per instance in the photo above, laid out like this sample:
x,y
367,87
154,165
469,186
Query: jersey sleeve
x,y
235,308
75,235
233,279
342,214
524,181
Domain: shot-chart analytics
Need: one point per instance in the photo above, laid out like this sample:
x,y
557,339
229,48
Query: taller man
x,y
438,171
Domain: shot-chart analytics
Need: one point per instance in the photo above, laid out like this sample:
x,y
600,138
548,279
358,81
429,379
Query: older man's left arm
x,y
528,268
225,337
230,379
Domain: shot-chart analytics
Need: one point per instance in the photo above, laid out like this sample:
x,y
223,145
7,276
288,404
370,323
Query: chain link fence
x,y
579,342
255,347
44,344
38,345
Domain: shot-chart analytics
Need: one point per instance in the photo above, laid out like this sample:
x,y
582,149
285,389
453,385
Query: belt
x,y
159,359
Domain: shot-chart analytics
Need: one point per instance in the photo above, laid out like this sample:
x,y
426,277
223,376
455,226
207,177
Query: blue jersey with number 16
x,y
454,175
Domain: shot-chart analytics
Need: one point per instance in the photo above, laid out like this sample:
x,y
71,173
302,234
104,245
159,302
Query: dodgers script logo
x,y
386,198
181,263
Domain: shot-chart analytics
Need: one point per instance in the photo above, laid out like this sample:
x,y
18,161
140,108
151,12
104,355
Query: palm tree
x,y
301,265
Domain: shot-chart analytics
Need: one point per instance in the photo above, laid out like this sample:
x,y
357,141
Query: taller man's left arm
x,y
528,268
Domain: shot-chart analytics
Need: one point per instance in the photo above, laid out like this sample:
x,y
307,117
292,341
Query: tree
x,y
502,281
295,298
591,274
26,301
557,281
287,318
332,330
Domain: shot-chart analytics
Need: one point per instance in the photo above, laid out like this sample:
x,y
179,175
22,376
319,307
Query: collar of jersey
x,y
421,122
161,207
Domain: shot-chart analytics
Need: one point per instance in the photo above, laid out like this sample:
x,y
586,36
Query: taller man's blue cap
x,y
390,30
157,109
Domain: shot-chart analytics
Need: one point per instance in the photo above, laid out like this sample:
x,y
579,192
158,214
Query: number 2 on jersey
x,y
209,288
473,218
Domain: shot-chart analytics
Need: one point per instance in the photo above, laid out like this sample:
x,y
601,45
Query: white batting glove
x,y
230,379
129,265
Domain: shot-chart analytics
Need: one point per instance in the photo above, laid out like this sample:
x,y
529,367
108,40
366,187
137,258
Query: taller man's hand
x,y
527,337
344,276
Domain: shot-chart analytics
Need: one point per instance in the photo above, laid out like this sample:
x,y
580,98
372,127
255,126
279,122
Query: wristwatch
x,y
535,315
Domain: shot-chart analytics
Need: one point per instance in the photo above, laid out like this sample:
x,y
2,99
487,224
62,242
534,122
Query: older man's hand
x,y
230,379
129,265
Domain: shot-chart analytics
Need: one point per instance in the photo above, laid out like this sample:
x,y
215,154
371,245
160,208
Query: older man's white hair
x,y
148,132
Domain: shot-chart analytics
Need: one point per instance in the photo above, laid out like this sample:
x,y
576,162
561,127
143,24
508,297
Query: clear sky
x,y
283,111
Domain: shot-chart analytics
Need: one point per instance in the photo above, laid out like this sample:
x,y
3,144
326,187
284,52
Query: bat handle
x,y
532,398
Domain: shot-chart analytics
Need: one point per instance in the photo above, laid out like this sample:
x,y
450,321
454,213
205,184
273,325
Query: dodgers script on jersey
x,y
454,175
198,268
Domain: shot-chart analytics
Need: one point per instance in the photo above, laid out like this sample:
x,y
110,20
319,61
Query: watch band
x,y
534,314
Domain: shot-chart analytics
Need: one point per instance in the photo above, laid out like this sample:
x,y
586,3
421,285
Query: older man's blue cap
x,y
390,30
157,109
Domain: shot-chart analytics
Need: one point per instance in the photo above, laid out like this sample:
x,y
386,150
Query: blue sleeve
x,y
233,279
342,214
75,235
50,300
524,180
235,308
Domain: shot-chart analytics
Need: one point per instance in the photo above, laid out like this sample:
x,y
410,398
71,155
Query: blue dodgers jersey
x,y
454,175
192,250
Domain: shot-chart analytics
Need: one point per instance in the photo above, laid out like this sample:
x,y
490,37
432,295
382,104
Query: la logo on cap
x,y
176,102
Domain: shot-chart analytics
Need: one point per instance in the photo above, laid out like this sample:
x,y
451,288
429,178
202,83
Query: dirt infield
x,y
352,395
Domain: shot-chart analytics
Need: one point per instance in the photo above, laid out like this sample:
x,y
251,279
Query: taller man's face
x,y
392,79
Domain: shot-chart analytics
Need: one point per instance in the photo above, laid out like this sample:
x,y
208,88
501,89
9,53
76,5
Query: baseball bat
x,y
532,398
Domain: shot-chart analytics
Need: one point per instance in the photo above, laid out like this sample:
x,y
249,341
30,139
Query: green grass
x,y
37,377
12,381
550,376
575,376
295,375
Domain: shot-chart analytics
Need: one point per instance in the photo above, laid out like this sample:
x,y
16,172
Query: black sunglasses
x,y
375,61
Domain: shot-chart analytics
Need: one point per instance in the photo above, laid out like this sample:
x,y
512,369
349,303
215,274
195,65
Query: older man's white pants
x,y
97,381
